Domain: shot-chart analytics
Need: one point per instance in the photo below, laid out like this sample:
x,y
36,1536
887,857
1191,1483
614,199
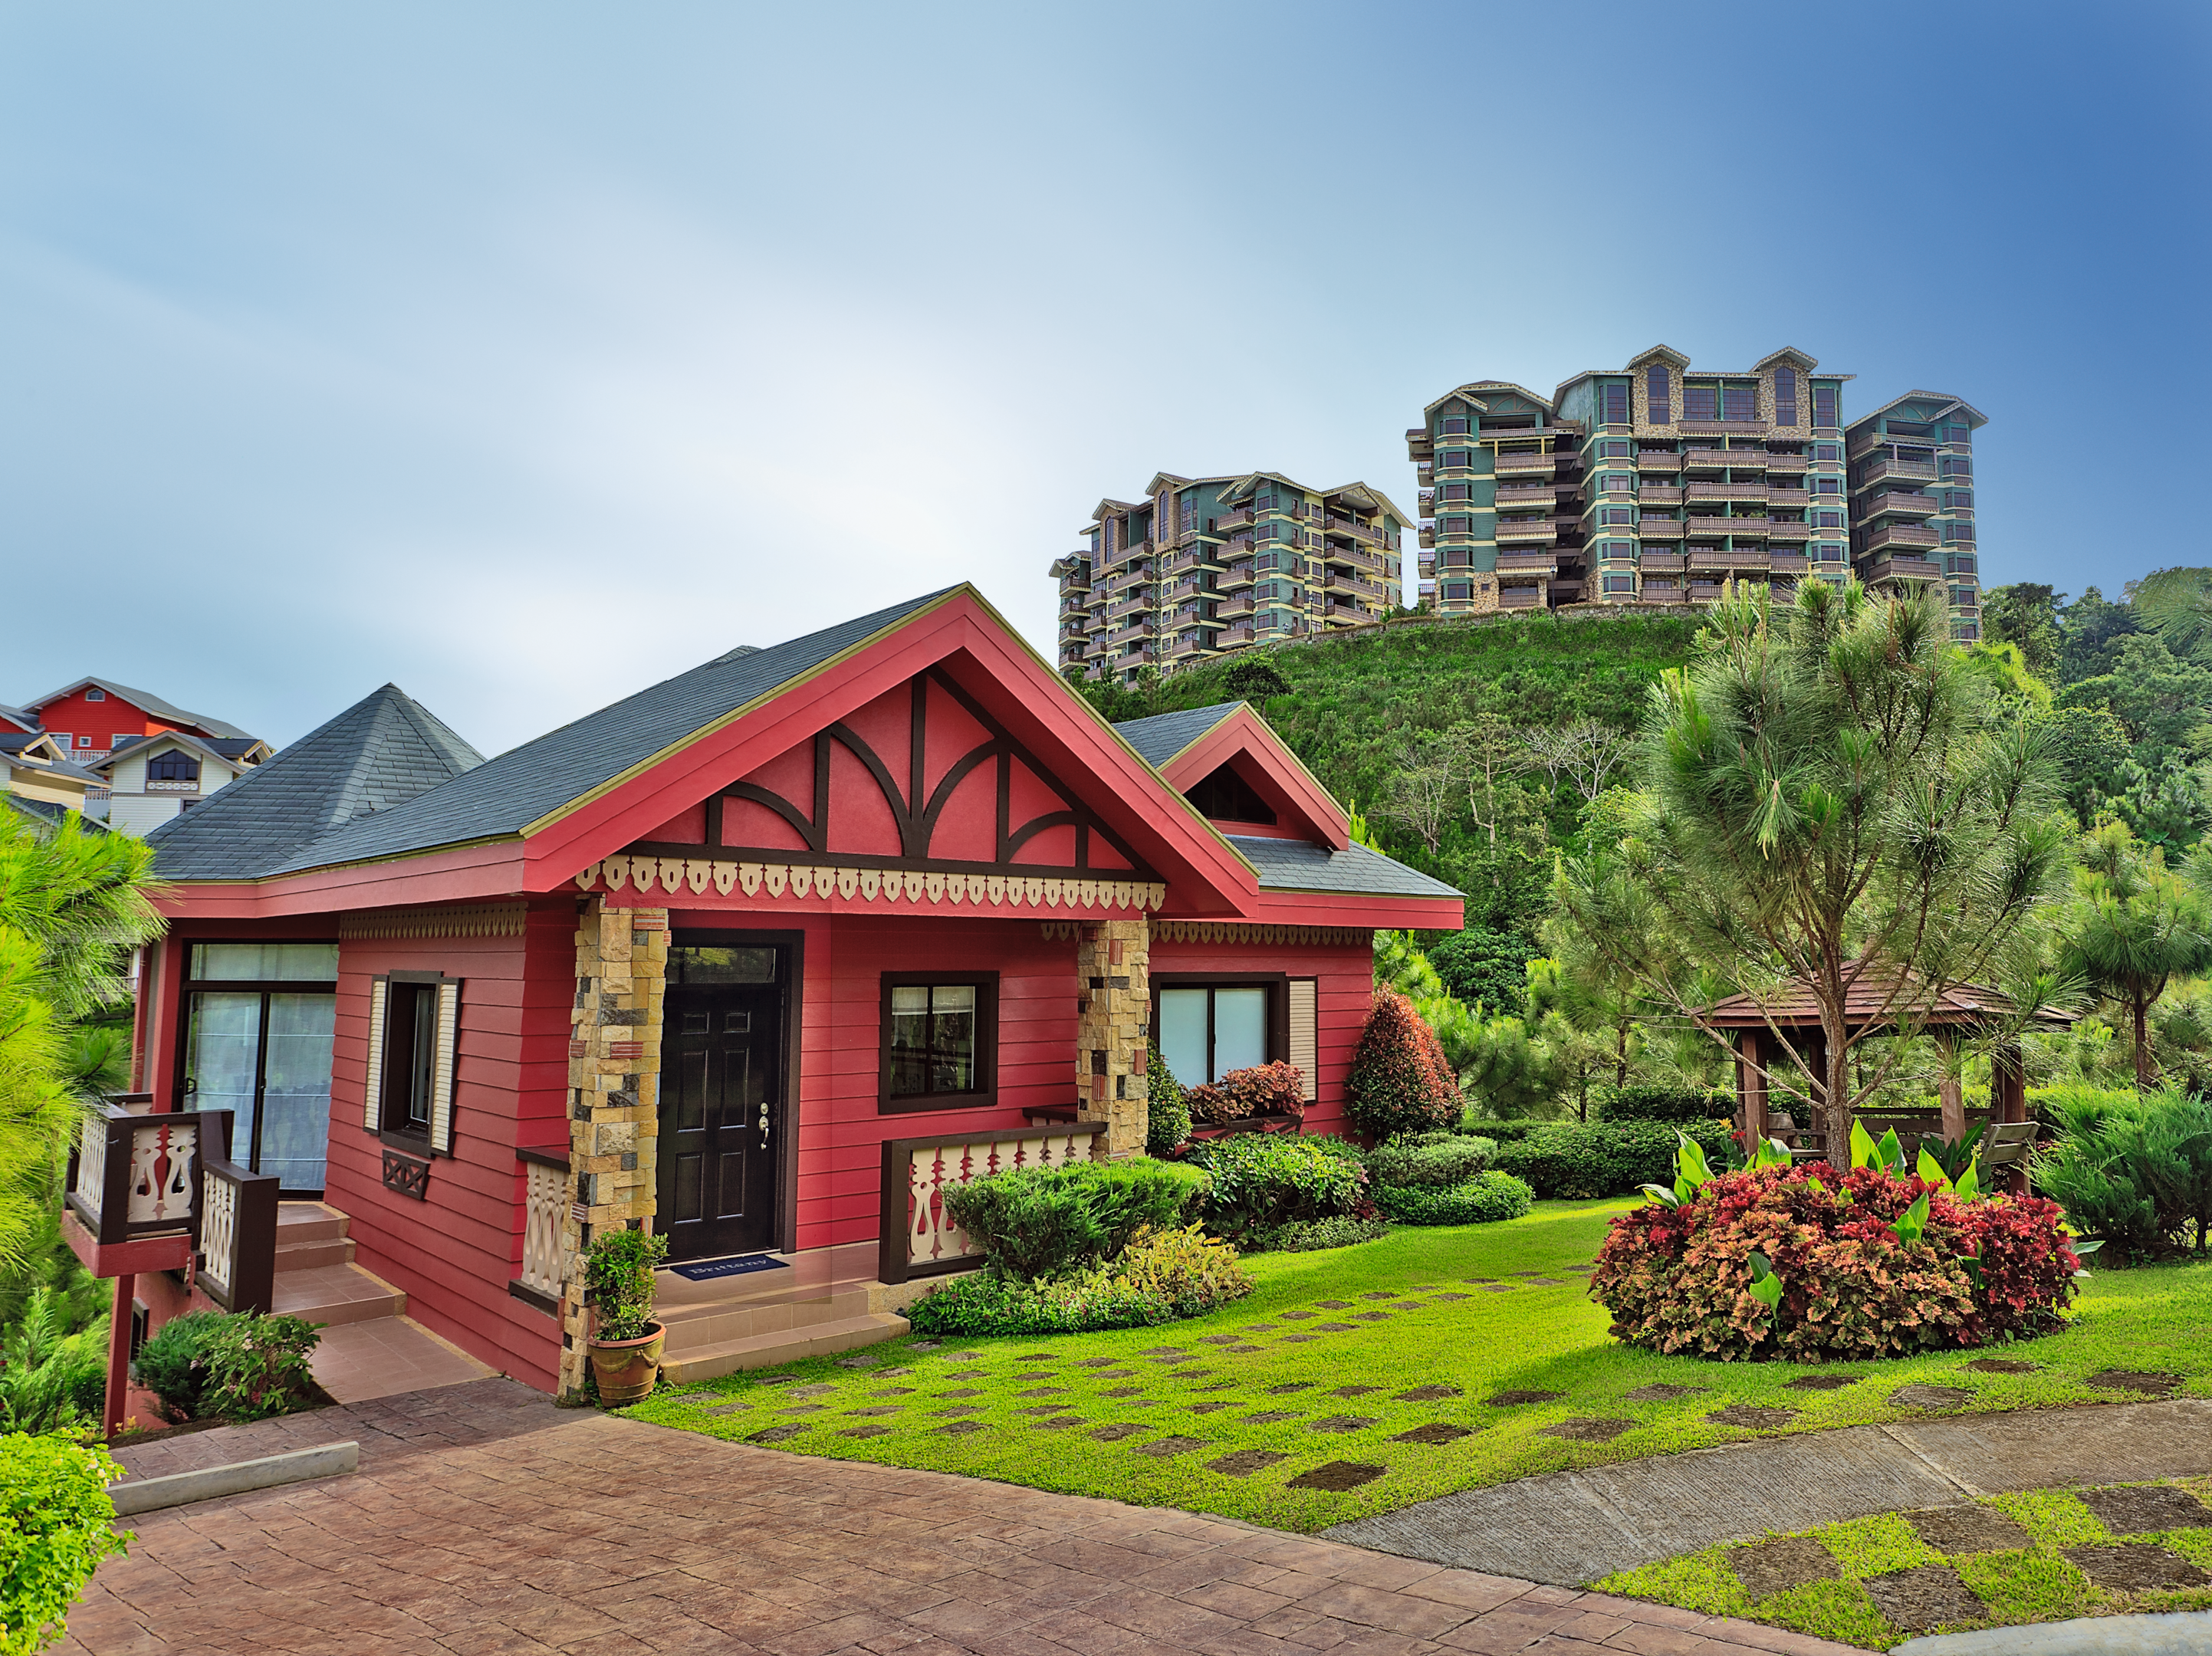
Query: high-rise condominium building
x,y
1651,483
1913,500
1202,565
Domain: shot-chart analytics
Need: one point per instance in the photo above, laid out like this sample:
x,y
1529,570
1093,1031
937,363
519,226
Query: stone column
x,y
1113,1031
614,1087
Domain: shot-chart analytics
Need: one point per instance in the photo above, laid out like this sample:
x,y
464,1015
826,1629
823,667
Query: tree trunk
x,y
2146,1072
1836,1114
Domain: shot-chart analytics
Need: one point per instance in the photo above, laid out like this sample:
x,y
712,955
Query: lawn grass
x,y
1538,1336
2017,1586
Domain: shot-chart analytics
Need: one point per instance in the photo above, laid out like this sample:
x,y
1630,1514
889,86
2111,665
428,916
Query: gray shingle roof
x,y
1163,736
383,751
145,701
502,796
1295,865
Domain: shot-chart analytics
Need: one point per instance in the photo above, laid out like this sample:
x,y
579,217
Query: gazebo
x,y
1875,1001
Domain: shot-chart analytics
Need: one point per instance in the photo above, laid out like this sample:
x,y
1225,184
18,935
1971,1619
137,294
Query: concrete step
x,y
307,1256
787,1345
308,1222
337,1293
693,1326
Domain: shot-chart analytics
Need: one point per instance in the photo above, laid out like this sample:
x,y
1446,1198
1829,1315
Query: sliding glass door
x,y
259,1022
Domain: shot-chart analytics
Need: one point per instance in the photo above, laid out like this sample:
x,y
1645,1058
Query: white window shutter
x,y
372,1087
441,1079
1305,1034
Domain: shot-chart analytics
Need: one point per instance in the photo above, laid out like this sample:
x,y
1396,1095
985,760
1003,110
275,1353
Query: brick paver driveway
x,y
485,1520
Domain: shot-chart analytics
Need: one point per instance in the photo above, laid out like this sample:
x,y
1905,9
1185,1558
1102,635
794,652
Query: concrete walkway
x,y
1565,1527
484,1522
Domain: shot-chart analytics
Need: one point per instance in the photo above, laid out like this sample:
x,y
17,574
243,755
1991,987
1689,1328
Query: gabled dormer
x,y
1239,775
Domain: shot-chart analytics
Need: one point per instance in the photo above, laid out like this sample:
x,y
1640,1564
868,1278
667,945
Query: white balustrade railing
x,y
219,1235
92,1162
919,1236
544,1204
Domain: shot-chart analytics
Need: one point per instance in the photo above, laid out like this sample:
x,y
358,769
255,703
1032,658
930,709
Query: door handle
x,y
763,1115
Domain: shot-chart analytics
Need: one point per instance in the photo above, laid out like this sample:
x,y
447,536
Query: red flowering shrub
x,y
1679,1279
1277,1089
1400,1081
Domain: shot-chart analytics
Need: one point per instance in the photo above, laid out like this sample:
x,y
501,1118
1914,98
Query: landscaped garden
x,y
1430,1361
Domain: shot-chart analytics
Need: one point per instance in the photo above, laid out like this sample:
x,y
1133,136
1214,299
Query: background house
x,y
90,720
150,779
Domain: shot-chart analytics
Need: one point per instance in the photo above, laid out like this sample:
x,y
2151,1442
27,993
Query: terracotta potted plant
x,y
626,1342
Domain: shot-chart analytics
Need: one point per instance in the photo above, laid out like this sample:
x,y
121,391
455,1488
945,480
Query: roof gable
x,y
144,700
1659,354
1187,747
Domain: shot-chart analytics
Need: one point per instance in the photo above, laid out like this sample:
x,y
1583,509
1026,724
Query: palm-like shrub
x,y
1400,1080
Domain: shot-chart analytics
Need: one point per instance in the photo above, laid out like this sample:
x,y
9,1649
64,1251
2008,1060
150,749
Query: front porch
x,y
809,1304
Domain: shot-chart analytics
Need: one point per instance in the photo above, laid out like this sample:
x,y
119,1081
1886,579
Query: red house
x,y
93,717
761,956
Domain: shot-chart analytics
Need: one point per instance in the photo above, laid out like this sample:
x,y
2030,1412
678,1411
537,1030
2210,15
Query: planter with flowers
x,y
626,1342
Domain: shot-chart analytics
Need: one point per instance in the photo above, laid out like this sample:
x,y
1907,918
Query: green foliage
x,y
1260,1180
56,1525
1480,1200
50,1378
2026,616
2133,1170
1315,1235
1253,678
619,1272
1430,1158
1040,1222
2087,747
72,906
2091,630
1484,966
215,1365
2133,928
257,1367
1167,1113
2176,605
1671,1104
1571,1160
1163,1275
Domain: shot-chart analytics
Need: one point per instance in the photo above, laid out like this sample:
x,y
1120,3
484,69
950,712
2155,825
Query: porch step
x,y
310,1235
692,1327
780,1346
337,1293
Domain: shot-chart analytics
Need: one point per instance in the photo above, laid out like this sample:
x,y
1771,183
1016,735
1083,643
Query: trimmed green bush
x,y
1313,1235
1161,1277
1475,1201
56,1525
1263,1180
1432,1158
1035,1223
215,1365
1680,1106
2134,1170
620,1271
1167,1113
1577,1162
1500,1133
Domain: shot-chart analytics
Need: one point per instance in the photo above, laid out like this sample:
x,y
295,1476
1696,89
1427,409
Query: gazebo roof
x,y
1875,998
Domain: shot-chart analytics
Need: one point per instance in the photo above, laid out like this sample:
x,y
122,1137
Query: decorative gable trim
x,y
820,882
501,920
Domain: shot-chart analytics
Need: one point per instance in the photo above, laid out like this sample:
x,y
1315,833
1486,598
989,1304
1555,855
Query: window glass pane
x,y
690,965
296,1095
222,1047
1182,1032
952,1039
909,1001
1240,1029
265,962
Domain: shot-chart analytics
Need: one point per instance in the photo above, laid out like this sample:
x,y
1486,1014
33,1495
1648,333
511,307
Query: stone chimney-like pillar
x,y
1113,1034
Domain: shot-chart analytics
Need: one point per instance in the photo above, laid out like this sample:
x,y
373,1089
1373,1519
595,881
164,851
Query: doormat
x,y
699,1270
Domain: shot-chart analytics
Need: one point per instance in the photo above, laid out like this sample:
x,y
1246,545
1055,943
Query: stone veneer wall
x,y
614,1080
1113,1037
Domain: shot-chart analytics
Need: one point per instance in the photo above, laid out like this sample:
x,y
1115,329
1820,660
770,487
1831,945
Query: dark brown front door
x,y
721,1104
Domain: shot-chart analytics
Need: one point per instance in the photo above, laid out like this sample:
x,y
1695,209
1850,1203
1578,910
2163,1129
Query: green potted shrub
x,y
626,1341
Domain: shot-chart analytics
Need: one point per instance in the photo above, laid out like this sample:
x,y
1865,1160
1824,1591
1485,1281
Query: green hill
x,y
1367,710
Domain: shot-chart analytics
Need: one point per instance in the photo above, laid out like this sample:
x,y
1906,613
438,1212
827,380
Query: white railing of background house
x,y
544,1207
918,1237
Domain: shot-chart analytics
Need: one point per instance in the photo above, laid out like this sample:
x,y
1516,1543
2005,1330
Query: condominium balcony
x,y
1891,470
1787,563
1424,473
1781,529
1520,598
1737,526
1235,519
1131,606
1527,466
1531,528
1902,566
1145,629
1189,586
1658,495
1120,555
1341,612
1540,496
1426,537
1664,563
1743,557
1352,528
1698,489
1899,535
1660,529
1230,609
1230,638
1742,459
1528,563
1189,643
1419,443
1237,574
1665,589
1658,460
1339,584
1908,503
1777,495
1372,563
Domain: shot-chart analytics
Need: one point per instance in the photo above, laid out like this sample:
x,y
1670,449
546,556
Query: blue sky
x,y
524,355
